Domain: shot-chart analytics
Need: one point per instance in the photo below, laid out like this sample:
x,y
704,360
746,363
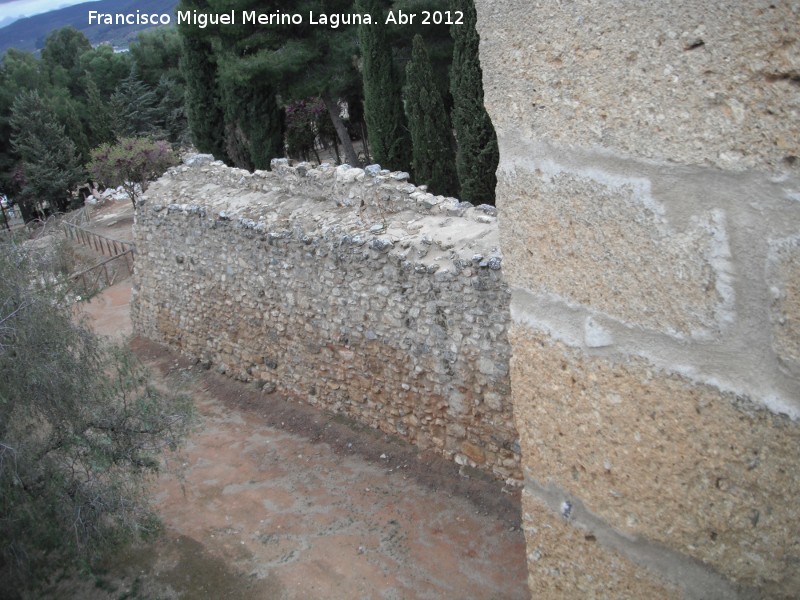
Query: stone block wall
x,y
649,197
352,289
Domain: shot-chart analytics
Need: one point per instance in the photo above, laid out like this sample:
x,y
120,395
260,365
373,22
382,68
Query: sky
x,y
18,8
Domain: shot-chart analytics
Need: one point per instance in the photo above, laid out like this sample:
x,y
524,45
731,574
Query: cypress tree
x,y
477,155
254,123
431,137
203,108
383,105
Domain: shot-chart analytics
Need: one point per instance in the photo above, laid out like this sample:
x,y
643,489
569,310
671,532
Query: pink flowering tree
x,y
131,163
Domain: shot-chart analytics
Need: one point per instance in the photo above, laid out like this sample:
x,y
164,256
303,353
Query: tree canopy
x,y
89,96
49,158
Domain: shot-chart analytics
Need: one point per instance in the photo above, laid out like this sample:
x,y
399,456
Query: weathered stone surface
x,y
607,242
784,280
297,288
649,201
657,456
566,562
683,81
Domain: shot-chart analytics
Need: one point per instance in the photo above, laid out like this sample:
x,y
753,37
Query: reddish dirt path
x,y
275,500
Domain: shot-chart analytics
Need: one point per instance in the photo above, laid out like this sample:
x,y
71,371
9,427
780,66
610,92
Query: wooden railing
x,y
90,278
78,217
104,245
93,278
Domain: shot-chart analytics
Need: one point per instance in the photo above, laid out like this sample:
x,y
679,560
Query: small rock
x,y
487,209
381,244
197,160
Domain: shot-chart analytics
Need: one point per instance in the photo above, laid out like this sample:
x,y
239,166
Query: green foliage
x,y
131,163
204,110
298,61
478,155
49,158
157,52
106,68
61,57
92,94
431,137
253,119
389,140
81,428
134,107
171,109
157,58
437,39
22,72
19,72
306,120
101,125
70,112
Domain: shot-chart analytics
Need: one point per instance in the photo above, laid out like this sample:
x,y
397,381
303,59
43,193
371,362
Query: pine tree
x,y
478,155
49,158
102,123
61,55
171,109
299,61
389,140
135,108
431,137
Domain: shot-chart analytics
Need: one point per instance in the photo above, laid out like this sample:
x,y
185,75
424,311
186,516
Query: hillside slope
x,y
31,32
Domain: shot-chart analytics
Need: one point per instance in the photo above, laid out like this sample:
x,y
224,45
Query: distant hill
x,y
30,33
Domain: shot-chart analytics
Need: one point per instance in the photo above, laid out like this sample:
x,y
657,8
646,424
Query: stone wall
x,y
353,290
649,197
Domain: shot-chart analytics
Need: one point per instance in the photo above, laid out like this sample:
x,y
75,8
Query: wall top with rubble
x,y
370,206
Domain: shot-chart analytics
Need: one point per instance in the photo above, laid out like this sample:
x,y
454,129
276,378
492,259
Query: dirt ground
x,y
271,499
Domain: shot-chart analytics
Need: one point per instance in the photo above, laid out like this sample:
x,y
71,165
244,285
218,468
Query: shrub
x,y
81,429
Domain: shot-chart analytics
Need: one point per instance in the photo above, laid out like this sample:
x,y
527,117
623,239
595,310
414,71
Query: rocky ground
x,y
271,499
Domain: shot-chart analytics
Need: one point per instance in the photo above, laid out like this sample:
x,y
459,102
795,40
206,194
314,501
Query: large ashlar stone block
x,y
685,81
604,241
659,457
568,562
